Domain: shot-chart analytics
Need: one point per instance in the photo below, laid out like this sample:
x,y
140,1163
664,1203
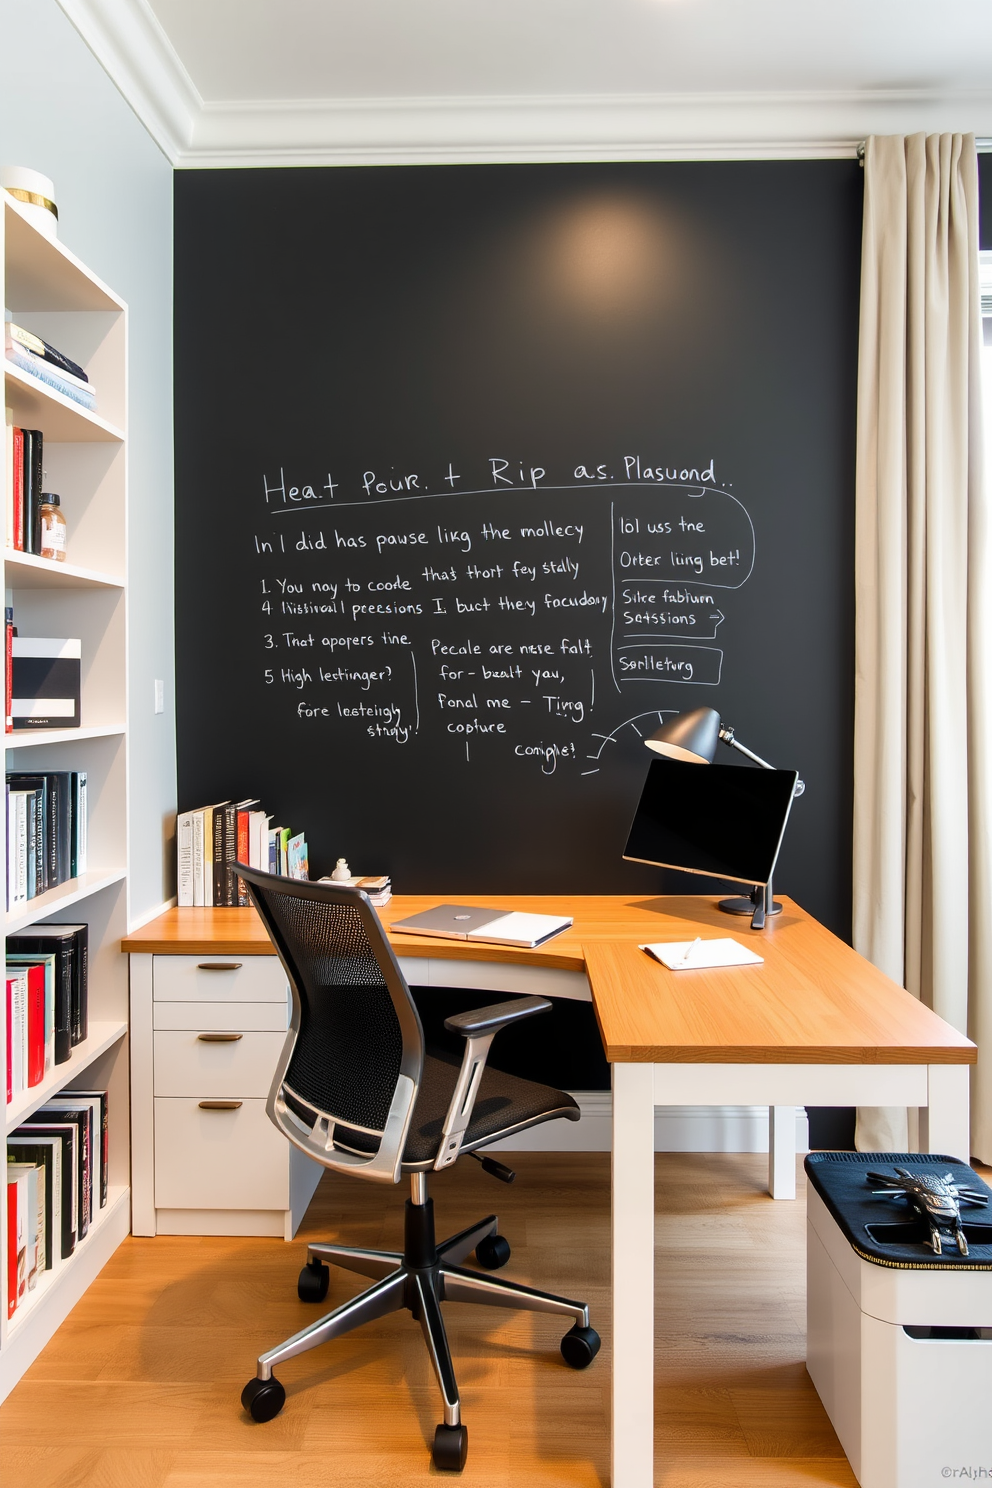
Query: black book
x,y
42,1154
80,960
67,1132
220,859
80,1116
103,1137
60,823
228,881
62,940
34,443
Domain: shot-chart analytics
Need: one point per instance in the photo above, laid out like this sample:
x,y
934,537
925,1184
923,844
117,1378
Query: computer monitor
x,y
724,821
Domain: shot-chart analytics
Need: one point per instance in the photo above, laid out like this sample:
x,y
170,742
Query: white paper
x,y
686,955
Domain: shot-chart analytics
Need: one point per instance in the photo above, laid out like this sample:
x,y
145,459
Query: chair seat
x,y
505,1104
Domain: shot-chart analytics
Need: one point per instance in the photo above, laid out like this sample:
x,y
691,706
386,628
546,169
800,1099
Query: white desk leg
x,y
782,1152
944,1125
633,1276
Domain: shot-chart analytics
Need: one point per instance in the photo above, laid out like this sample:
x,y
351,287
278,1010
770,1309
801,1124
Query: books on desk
x,y
494,926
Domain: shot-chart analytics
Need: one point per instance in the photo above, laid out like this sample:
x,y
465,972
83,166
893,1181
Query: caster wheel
x,y
580,1346
450,1448
314,1280
493,1252
263,1399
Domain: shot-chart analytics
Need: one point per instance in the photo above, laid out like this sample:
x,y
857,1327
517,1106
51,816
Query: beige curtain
x,y
922,781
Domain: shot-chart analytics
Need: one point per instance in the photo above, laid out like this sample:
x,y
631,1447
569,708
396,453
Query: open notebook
x,y
499,927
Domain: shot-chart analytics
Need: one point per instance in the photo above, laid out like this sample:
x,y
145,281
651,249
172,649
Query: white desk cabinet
x,y
206,1034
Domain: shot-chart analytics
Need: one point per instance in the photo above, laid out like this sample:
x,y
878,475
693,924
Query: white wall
x,y
61,114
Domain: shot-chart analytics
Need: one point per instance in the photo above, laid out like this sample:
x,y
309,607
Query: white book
x,y
18,830
71,1100
184,858
82,822
198,858
208,856
699,954
258,841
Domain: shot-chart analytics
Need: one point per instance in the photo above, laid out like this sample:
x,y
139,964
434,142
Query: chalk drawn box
x,y
46,682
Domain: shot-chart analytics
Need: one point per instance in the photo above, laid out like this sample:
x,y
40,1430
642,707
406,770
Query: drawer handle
x,y
220,1105
219,966
219,1038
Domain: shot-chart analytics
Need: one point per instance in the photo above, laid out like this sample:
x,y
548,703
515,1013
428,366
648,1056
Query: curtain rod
x,y
983,144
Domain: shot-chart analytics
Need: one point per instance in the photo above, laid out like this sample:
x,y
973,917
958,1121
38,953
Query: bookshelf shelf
x,y
26,571
102,1036
52,294
65,422
55,900
52,1280
35,738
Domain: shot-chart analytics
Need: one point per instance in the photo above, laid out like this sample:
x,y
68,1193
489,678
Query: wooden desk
x,y
815,1024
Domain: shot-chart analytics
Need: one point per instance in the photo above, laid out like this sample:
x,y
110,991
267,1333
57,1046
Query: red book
x,y
10,1052
18,533
36,1024
11,1247
245,808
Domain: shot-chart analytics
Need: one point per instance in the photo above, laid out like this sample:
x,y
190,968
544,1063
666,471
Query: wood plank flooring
x,y
140,1387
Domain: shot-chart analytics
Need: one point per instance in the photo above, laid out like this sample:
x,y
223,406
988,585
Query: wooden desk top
x,y
813,1001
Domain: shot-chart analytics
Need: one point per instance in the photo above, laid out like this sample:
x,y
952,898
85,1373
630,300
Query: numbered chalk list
x,y
493,611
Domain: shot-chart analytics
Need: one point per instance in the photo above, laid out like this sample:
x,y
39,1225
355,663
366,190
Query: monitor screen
x,y
725,821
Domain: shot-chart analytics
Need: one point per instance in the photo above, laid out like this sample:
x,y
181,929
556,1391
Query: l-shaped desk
x,y
816,1024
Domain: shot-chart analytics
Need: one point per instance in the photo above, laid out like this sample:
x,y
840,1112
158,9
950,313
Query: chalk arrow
x,y
719,617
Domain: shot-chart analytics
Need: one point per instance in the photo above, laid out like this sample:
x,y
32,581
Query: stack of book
x,y
46,831
57,1175
50,366
379,887
211,838
25,480
47,982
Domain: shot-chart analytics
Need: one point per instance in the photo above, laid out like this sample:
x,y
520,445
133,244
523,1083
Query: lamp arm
x,y
727,735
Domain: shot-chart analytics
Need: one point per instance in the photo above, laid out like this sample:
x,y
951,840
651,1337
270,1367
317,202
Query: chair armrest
x,y
478,1028
492,1019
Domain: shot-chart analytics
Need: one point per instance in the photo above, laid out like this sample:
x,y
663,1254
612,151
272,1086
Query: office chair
x,y
355,1090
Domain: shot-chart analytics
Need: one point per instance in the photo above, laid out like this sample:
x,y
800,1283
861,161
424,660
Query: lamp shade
x,y
689,736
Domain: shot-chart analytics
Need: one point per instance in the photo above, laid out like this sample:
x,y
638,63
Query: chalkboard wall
x,y
481,471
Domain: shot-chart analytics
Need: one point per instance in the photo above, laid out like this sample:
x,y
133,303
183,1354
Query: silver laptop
x,y
498,926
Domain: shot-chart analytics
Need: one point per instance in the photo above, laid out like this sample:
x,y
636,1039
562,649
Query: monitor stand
x,y
758,904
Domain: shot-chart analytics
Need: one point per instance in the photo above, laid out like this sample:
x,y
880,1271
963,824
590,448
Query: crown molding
x,y
129,42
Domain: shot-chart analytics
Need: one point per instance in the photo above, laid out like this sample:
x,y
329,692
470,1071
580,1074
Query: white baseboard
x,y
676,1129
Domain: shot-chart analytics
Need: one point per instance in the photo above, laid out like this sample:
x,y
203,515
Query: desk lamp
x,y
693,737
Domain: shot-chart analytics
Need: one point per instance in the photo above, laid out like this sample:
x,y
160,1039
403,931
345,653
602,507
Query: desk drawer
x,y
210,1159
229,1017
187,1065
218,979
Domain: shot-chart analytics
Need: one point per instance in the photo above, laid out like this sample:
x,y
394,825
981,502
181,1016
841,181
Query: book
x,y
60,828
17,1029
297,860
94,1103
101,1115
34,480
64,1135
62,1110
28,341
244,809
40,998
69,943
197,821
46,685
34,1222
9,427
80,822
45,1153
16,1241
17,493
184,859
9,668
62,382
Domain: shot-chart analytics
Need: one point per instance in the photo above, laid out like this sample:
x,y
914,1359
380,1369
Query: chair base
x,y
419,1279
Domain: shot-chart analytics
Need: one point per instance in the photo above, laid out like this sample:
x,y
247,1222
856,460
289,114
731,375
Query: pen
x,y
687,954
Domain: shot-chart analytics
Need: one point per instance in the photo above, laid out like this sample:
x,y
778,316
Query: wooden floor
x,y
140,1387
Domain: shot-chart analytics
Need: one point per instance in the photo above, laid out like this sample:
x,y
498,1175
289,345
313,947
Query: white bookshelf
x,y
85,457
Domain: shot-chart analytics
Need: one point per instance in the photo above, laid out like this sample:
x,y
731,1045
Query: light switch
x,y
159,695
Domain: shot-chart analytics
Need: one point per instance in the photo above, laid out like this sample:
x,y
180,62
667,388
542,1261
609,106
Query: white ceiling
x,y
299,81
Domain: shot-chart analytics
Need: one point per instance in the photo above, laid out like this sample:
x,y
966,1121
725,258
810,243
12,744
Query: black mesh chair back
x,y
353,1059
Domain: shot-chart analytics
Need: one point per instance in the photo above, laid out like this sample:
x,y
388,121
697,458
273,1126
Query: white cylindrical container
x,y
36,194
